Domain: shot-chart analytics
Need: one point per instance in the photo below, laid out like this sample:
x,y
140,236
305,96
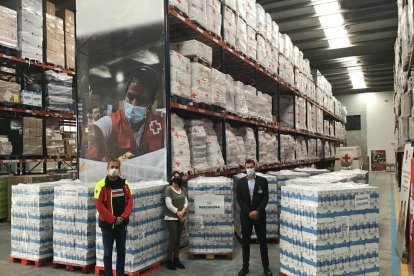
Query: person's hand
x,y
254,215
119,220
180,214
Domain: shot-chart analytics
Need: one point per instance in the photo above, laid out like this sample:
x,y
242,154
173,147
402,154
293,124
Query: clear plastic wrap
x,y
252,101
214,155
287,148
301,149
268,148
240,102
146,239
180,75
180,148
261,20
241,35
218,88
200,83
8,27
210,233
230,26
59,89
250,144
230,94
261,51
194,48
269,26
251,43
182,5
197,11
197,139
300,113
251,14
214,16
275,34
242,8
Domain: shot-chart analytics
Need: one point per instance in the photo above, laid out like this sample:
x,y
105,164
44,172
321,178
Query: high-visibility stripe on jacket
x,y
103,202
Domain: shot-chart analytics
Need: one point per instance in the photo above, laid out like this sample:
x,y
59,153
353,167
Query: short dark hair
x,y
145,76
249,161
113,160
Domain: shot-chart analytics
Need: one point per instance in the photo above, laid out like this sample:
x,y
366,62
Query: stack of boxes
x,y
55,37
180,149
230,27
210,223
70,145
59,91
218,88
214,155
8,27
287,148
180,75
32,221
214,17
54,140
329,229
197,11
182,5
32,92
200,74
32,136
74,218
69,30
6,147
146,238
9,91
197,139
300,113
301,148
268,147
30,28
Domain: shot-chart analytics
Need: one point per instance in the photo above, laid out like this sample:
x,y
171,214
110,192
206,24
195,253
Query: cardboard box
x,y
50,8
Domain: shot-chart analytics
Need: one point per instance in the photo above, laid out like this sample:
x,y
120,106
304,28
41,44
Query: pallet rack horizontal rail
x,y
186,21
38,160
38,112
27,62
235,118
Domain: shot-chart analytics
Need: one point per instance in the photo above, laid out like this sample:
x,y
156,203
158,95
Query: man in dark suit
x,y
252,193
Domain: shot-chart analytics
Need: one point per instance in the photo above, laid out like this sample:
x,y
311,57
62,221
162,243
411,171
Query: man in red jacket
x,y
113,199
133,130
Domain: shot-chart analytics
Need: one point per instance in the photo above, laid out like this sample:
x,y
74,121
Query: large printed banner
x,y
121,95
403,198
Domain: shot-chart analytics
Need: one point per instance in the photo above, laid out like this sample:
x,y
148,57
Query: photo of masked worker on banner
x,y
132,130
121,67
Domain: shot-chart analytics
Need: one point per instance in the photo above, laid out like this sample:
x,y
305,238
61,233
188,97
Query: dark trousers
x,y
247,225
175,229
118,234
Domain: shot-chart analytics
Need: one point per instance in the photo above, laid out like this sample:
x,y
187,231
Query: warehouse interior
x,y
316,94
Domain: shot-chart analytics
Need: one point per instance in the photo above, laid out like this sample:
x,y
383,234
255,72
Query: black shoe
x,y
267,272
171,265
243,271
178,264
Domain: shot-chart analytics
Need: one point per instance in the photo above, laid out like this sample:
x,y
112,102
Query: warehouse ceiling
x,y
372,29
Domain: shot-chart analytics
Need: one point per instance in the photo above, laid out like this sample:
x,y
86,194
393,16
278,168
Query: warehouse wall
x,y
381,123
377,122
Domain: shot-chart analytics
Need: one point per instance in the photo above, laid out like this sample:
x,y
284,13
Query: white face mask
x,y
250,172
113,172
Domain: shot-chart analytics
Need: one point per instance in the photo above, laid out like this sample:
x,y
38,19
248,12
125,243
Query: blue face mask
x,y
134,114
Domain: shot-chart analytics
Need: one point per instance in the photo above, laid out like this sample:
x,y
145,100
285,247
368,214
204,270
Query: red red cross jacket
x,y
122,138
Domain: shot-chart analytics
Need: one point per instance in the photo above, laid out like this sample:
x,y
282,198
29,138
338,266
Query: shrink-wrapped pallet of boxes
x,y
210,216
146,241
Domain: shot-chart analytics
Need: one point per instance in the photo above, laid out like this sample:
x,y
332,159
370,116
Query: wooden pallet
x,y
9,51
210,256
30,60
200,60
217,108
86,269
180,100
35,262
142,272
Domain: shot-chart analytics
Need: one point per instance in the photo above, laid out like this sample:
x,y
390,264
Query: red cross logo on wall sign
x,y
346,158
155,127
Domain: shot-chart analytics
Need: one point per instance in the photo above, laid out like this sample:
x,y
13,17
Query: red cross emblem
x,y
346,158
155,127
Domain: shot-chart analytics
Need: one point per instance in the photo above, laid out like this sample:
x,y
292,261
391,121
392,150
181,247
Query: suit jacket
x,y
260,197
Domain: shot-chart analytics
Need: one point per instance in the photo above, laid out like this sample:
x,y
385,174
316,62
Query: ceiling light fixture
x,y
333,24
357,77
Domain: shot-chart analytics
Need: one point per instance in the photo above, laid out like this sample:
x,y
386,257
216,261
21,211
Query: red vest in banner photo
x,y
122,139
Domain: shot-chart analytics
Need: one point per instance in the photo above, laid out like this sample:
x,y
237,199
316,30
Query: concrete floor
x,y
223,267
